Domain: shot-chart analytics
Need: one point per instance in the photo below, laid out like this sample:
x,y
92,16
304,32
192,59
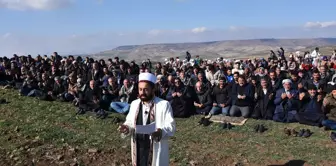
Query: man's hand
x,y
104,91
50,93
222,105
319,97
123,129
214,104
174,94
96,101
179,94
243,97
283,95
239,97
301,96
270,96
289,96
157,135
325,102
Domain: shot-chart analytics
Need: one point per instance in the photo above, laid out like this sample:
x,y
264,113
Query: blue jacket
x,y
292,104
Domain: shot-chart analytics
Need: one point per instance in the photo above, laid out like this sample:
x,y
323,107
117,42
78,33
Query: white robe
x,y
164,120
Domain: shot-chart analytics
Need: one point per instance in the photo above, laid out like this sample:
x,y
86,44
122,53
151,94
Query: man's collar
x,y
148,103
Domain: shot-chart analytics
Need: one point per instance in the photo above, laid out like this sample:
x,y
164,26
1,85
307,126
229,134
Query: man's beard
x,y
146,98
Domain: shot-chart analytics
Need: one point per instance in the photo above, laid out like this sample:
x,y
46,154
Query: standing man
x,y
149,149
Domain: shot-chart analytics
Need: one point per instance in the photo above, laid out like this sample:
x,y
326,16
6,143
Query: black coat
x,y
182,106
264,108
222,96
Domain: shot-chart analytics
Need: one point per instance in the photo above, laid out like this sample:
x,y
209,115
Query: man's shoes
x,y
333,136
262,129
307,133
229,126
206,122
201,121
80,111
302,131
101,114
256,128
208,116
225,125
287,131
294,133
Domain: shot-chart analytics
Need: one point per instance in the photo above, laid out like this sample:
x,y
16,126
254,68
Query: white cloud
x,y
236,28
154,32
6,35
199,29
320,24
35,4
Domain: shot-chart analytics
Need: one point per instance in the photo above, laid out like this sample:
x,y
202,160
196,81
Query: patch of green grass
x,y
55,124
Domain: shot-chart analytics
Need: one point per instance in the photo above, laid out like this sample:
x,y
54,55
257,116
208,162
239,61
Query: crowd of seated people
x,y
283,88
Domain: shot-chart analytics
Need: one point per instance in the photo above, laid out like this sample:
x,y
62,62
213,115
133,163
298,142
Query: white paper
x,y
145,129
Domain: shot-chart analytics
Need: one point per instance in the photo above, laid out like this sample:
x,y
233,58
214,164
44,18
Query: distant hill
x,y
214,49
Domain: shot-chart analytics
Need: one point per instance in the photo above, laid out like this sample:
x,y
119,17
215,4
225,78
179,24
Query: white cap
x,y
159,76
147,77
286,81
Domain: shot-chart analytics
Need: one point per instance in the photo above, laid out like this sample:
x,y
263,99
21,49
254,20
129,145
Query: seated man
x,y
70,94
126,94
222,101
110,91
58,89
90,101
286,101
29,85
242,98
180,99
203,100
264,108
310,107
329,106
45,86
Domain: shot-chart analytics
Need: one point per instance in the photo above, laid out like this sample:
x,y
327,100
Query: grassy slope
x,y
49,133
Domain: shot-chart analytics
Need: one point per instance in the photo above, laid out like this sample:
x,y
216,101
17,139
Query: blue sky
x,y
92,25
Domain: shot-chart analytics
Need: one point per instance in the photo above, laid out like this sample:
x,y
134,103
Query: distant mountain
x,y
214,49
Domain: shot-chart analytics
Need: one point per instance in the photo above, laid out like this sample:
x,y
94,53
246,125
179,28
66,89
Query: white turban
x,y
147,77
286,81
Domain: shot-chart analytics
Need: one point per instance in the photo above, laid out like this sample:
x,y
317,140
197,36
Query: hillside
x,y
214,49
40,133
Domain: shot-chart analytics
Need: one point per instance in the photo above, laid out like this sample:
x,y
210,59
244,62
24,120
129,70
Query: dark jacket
x,y
203,98
222,96
248,92
183,105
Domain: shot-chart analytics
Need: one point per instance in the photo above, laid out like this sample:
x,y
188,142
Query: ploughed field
x,y
34,132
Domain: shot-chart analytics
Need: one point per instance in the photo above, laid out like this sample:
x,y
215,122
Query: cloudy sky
x,y
89,26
